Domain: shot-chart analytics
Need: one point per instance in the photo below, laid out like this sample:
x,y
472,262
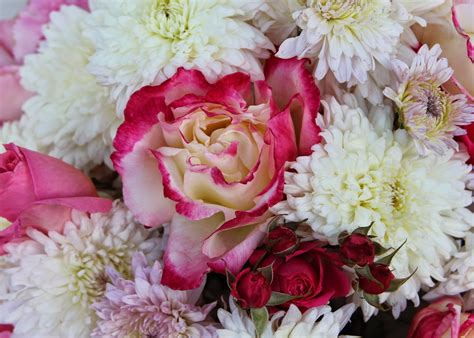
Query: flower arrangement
x,y
222,168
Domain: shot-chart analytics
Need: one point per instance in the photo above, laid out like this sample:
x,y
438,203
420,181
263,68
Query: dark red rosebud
x,y
383,276
281,240
251,289
359,249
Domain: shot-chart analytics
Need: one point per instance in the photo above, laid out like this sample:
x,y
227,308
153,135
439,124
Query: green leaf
x,y
267,272
278,298
375,301
260,319
387,259
396,283
230,278
379,250
363,230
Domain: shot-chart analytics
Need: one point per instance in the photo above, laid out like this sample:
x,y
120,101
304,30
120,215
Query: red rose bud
x,y
383,276
281,240
251,289
358,249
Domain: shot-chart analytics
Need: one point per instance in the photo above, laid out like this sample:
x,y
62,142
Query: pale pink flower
x,y
143,307
19,37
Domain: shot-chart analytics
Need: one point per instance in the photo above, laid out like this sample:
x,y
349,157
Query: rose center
x,y
299,286
8,162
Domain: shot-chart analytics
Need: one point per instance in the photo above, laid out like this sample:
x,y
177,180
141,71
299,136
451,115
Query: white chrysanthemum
x,y
357,176
144,42
53,279
71,117
430,115
275,19
460,275
347,37
317,322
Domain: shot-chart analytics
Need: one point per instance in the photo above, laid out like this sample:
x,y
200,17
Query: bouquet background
x,y
221,168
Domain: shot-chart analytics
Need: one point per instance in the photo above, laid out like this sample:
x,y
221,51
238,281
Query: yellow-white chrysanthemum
x,y
70,117
49,282
360,175
143,42
346,37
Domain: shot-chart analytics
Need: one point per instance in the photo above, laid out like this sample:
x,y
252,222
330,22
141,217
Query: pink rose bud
x,y
27,176
251,289
383,276
358,249
281,240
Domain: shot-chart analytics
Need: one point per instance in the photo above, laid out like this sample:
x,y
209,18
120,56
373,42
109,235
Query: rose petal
x,y
294,87
14,95
142,181
53,178
184,263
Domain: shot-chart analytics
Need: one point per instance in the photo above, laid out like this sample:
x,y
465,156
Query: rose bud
x,y
281,240
383,276
358,249
251,289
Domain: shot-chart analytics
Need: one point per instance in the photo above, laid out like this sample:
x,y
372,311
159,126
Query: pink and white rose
x,y
19,37
210,159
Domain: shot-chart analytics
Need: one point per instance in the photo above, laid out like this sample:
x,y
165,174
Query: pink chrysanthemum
x,y
144,308
430,115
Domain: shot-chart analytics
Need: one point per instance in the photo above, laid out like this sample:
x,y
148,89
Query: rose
x,y
453,38
383,276
468,141
442,318
310,274
281,240
209,158
251,289
39,189
358,249
19,37
6,330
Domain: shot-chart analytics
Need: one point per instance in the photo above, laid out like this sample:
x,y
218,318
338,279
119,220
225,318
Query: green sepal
x,y
342,236
374,301
363,230
365,272
267,272
230,278
379,250
278,298
396,283
387,259
260,319
273,223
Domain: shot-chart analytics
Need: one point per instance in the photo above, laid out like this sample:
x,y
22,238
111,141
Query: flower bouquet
x,y
236,168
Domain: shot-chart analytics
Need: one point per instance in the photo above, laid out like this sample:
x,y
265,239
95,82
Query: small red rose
x,y
359,249
383,276
311,274
251,289
281,240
